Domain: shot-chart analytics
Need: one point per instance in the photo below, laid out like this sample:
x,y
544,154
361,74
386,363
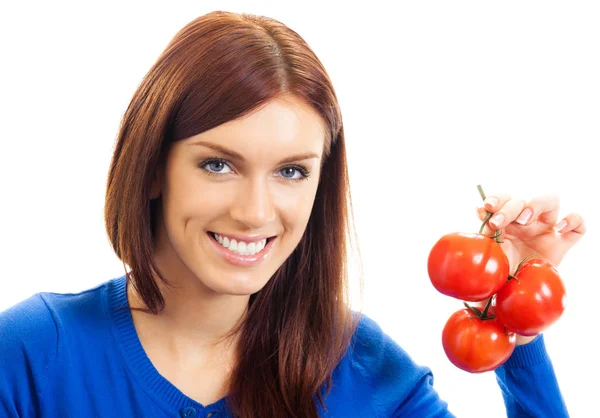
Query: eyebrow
x,y
239,157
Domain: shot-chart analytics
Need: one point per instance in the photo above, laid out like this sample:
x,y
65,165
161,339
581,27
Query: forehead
x,y
282,126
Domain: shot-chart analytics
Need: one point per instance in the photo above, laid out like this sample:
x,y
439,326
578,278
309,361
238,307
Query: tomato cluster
x,y
474,268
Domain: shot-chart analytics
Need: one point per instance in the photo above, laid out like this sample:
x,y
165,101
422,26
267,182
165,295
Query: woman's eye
x,y
216,166
293,173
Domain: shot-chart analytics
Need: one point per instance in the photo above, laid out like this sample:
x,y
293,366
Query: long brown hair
x,y
217,68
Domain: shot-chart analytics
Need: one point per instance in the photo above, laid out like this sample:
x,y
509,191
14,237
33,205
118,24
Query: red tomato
x,y
476,345
532,302
469,267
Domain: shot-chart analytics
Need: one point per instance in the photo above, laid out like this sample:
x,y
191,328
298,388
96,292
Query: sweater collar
x,y
138,363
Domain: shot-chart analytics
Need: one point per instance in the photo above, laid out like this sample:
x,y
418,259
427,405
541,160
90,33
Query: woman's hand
x,y
531,227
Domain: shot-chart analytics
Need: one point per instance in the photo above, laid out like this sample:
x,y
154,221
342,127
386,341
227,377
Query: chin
x,y
236,286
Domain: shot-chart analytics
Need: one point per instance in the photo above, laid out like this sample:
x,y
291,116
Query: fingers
x,y
572,226
493,202
540,209
481,213
504,208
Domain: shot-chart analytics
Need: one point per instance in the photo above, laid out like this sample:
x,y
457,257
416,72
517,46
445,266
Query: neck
x,y
195,314
192,312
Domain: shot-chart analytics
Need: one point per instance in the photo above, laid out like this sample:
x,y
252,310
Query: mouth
x,y
249,248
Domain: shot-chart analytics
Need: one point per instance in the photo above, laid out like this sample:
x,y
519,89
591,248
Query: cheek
x,y
191,203
295,207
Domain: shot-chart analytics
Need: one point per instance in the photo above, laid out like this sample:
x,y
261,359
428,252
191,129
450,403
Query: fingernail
x,y
525,216
497,220
491,202
561,225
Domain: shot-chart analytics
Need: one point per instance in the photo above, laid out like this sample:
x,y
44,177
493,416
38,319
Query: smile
x,y
241,247
244,253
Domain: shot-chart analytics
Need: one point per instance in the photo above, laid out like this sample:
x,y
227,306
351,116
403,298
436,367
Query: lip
x,y
239,259
246,238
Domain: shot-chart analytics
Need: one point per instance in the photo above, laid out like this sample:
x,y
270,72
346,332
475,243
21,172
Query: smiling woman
x,y
228,203
226,134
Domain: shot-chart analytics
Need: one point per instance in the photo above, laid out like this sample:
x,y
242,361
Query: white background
x,y
437,97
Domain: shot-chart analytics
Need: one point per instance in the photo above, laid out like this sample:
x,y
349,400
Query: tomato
x,y
476,345
466,266
533,301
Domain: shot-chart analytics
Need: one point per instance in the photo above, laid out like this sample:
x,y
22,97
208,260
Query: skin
x,y
531,226
252,193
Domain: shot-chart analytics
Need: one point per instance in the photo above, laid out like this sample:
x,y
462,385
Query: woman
x,y
227,201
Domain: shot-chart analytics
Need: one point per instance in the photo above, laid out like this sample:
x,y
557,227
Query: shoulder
x,y
28,347
32,326
69,309
32,333
28,323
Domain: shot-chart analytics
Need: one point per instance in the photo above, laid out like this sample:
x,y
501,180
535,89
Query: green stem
x,y
483,315
496,236
523,261
476,311
487,218
481,192
487,306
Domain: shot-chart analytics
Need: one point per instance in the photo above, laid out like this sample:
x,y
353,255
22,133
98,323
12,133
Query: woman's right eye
x,y
215,166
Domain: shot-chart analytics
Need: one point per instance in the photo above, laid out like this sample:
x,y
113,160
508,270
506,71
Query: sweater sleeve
x,y
402,388
28,340
529,385
399,387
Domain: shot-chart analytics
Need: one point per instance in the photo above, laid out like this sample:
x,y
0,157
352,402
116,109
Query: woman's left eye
x,y
216,167
294,173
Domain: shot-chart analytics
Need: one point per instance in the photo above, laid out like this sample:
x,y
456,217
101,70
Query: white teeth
x,y
241,247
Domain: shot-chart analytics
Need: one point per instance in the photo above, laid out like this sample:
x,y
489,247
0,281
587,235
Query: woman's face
x,y
236,199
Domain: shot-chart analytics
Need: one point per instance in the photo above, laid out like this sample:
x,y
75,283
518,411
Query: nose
x,y
254,204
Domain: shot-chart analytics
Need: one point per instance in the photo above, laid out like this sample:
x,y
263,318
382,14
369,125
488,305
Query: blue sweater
x,y
78,355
